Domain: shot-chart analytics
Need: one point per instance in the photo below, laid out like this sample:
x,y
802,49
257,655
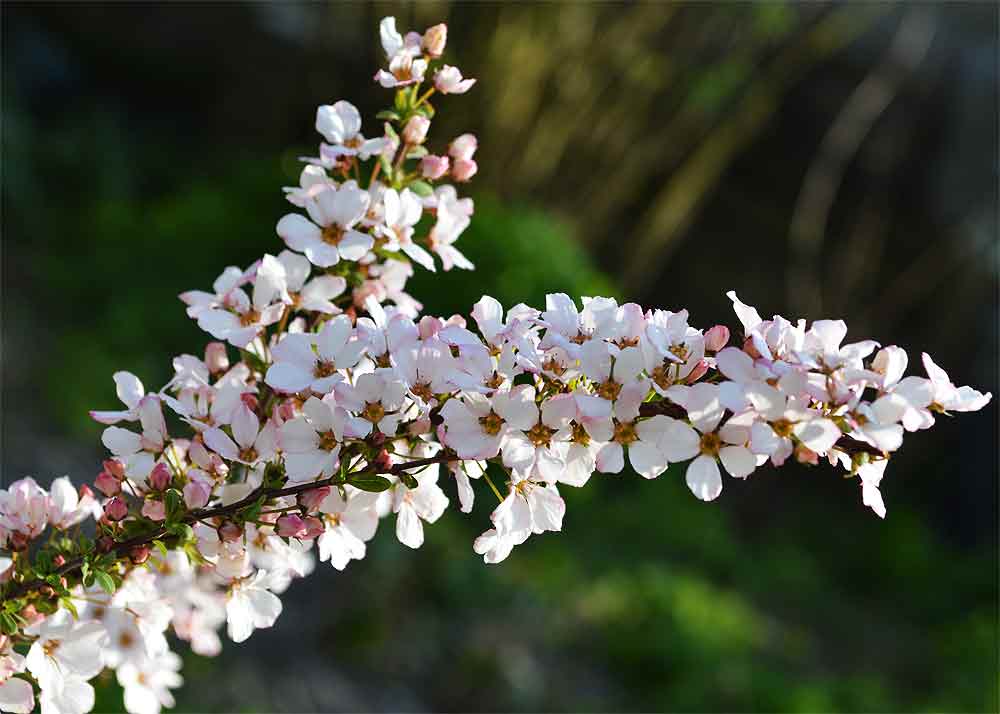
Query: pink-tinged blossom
x,y
16,695
412,507
463,147
241,318
314,361
68,506
147,682
949,397
349,523
402,212
405,64
251,605
330,235
25,508
250,443
314,295
130,391
449,80
312,442
340,124
434,167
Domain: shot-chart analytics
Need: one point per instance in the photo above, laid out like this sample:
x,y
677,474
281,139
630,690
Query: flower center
x,y
782,428
661,375
679,351
422,390
333,234
540,435
249,317
554,367
324,368
373,412
248,454
625,432
609,389
491,423
580,435
710,444
494,382
327,441
125,640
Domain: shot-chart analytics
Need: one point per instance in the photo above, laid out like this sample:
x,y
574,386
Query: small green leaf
x,y
7,624
373,484
183,531
421,188
417,152
160,546
68,604
174,502
402,100
388,114
408,480
105,581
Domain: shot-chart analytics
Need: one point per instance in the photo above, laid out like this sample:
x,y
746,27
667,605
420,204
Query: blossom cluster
x,y
325,403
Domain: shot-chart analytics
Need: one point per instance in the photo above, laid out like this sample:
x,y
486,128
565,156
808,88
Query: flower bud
x,y
115,467
383,462
377,438
314,528
154,510
105,544
435,39
805,455
138,554
229,532
107,484
698,372
159,477
415,130
216,357
196,493
250,401
4,641
716,338
59,560
286,410
18,541
463,147
434,167
464,169
115,509
311,499
30,613
290,525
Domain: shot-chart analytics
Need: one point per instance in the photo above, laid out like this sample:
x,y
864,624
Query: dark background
x,y
822,160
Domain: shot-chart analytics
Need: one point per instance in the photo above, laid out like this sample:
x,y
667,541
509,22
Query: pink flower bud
x,y
290,525
59,560
154,510
105,544
159,477
115,467
229,532
314,528
138,554
698,372
435,39
805,455
464,169
196,494
311,499
18,541
419,426
383,462
415,130
287,410
107,484
115,509
249,401
31,614
716,338
463,147
216,357
434,167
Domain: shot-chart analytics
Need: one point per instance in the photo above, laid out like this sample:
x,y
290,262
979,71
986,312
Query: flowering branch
x,y
345,404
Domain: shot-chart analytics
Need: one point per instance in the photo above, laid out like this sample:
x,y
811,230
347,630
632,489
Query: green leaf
x,y
373,484
105,581
408,480
68,604
183,531
7,624
174,502
417,152
160,546
402,102
421,188
388,114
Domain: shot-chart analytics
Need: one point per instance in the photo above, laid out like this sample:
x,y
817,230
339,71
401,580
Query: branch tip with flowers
x,y
345,403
